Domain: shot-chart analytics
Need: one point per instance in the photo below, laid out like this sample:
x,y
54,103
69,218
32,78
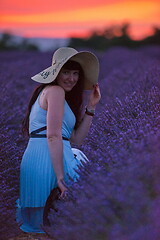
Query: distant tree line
x,y
7,42
114,36
98,40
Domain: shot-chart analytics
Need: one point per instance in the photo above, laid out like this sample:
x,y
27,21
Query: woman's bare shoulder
x,y
55,91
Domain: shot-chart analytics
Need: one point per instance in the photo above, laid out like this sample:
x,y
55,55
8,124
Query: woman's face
x,y
67,79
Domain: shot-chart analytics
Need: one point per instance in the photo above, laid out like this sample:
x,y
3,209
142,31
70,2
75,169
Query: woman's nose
x,y
71,77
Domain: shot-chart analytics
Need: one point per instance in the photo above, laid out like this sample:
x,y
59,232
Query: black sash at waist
x,y
35,134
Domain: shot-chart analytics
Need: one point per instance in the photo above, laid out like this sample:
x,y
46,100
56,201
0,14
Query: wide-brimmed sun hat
x,y
87,60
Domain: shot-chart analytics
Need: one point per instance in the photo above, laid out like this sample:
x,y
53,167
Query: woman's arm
x,y
80,133
55,97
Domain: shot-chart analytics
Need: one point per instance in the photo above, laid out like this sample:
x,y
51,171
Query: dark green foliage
x,y
114,36
7,43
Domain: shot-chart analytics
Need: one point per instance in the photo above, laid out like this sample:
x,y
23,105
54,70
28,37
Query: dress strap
x,y
34,134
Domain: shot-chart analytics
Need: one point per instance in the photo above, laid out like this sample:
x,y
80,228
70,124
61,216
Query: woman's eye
x,y
65,72
76,73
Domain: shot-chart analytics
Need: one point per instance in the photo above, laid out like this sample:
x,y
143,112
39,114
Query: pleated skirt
x,y
37,179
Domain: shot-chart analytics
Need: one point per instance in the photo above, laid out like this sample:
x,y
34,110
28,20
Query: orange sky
x,y
65,18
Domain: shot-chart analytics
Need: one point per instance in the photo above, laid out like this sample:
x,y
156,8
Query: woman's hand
x,y
63,188
94,97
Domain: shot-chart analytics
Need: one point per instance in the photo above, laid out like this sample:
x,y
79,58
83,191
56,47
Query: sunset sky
x,y
66,18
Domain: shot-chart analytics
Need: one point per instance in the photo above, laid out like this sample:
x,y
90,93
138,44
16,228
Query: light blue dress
x,y
37,176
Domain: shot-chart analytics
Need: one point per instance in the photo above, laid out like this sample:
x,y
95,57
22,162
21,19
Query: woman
x,y
53,121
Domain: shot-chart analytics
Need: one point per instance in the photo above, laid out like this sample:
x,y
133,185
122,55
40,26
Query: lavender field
x,y
118,194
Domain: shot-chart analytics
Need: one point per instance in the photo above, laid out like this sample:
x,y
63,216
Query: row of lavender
x,y
16,68
117,196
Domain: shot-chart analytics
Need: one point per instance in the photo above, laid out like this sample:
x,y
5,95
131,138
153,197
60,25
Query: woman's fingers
x,y
95,96
97,89
64,194
63,188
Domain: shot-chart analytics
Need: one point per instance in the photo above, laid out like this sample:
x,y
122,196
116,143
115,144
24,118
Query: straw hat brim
x,y
88,62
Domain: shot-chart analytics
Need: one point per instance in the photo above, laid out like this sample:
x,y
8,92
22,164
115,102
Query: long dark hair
x,y
73,98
